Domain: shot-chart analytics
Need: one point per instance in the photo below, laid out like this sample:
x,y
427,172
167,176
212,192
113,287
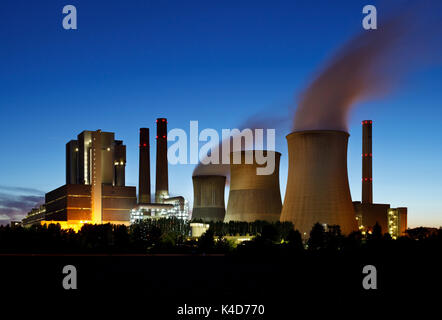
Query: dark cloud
x,y
15,206
21,190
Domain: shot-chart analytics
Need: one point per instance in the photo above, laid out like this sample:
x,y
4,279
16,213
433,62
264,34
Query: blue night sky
x,y
218,62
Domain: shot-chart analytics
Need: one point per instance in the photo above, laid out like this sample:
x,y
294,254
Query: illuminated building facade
x,y
35,216
95,190
397,222
175,207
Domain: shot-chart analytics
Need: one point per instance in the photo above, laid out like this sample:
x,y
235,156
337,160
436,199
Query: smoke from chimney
x,y
257,121
369,66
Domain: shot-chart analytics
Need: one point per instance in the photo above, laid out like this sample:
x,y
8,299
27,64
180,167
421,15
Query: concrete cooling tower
x,y
317,185
208,198
253,197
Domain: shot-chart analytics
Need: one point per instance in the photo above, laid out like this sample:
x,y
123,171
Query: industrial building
x,y
164,205
391,220
95,190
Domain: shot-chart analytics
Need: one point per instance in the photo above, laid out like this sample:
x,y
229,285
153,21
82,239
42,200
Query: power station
x,y
317,186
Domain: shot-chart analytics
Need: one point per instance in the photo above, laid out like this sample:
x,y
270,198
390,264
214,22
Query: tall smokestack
x,y
317,185
162,180
208,198
144,174
253,197
367,162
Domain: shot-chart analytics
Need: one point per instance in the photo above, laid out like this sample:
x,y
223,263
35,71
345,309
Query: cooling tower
x,y
317,184
367,162
162,178
144,174
253,197
208,198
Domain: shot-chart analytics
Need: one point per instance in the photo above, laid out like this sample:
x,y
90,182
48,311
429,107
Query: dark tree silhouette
x,y
206,242
294,240
317,237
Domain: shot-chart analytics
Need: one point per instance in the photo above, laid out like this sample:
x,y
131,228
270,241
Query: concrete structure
x,y
208,198
367,162
317,185
253,197
162,179
144,168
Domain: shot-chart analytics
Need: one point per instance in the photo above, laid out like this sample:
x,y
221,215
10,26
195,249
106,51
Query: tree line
x,y
174,236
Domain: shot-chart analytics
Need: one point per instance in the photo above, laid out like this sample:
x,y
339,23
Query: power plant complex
x,y
317,188
95,190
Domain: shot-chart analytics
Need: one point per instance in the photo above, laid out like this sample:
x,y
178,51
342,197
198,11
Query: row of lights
x,y
108,149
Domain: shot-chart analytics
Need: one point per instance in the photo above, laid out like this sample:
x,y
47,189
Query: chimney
x,y
162,180
144,174
367,162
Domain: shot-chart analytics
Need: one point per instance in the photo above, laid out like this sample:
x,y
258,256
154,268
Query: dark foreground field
x,y
160,284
